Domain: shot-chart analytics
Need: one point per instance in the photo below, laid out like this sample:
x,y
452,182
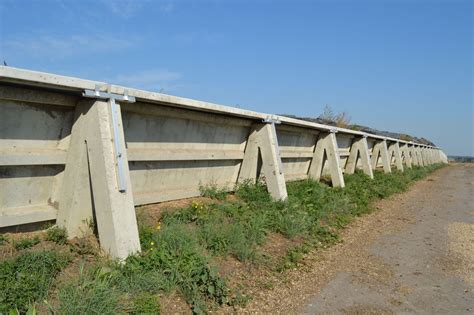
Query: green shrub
x,y
26,242
213,191
57,234
27,278
146,303
175,252
292,221
252,193
31,310
3,239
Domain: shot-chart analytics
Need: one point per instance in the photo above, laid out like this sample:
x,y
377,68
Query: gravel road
x,y
423,266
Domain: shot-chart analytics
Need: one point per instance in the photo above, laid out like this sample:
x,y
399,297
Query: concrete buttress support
x,y
91,160
380,150
405,151
394,150
360,149
263,140
327,150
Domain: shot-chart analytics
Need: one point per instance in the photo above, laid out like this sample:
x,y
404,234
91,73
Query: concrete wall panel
x,y
168,180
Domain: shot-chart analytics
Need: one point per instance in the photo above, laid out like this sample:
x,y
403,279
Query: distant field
x,y
462,159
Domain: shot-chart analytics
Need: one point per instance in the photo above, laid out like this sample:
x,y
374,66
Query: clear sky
x,y
403,65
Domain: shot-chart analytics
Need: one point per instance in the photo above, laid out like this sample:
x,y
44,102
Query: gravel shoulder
x,y
414,255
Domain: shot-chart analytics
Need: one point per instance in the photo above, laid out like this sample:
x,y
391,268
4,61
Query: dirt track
x,y
414,255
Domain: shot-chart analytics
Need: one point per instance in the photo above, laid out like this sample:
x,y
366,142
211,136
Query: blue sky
x,y
401,65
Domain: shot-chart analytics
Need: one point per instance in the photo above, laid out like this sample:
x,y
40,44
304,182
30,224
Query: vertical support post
x,y
394,150
380,149
114,209
93,160
263,140
359,148
406,154
327,150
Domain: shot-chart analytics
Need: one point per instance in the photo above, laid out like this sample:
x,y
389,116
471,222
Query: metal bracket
x,y
112,99
98,93
272,121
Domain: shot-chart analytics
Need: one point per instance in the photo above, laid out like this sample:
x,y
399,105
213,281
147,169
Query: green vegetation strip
x,y
179,251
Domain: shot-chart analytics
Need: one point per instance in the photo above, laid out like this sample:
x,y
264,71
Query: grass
x,y
26,242
27,278
57,234
174,252
180,253
3,240
146,303
213,191
91,293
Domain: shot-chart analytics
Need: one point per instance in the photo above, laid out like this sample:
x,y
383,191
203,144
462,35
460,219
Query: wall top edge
x,y
49,80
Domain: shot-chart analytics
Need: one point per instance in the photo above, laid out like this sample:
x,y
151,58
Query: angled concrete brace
x,y
414,157
394,150
360,149
326,150
419,156
263,140
75,200
405,151
91,167
380,149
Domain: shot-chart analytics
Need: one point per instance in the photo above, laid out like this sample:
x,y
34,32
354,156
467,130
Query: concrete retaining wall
x,y
57,154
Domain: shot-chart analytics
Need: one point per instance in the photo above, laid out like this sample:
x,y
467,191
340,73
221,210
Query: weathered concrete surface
x,y
425,266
